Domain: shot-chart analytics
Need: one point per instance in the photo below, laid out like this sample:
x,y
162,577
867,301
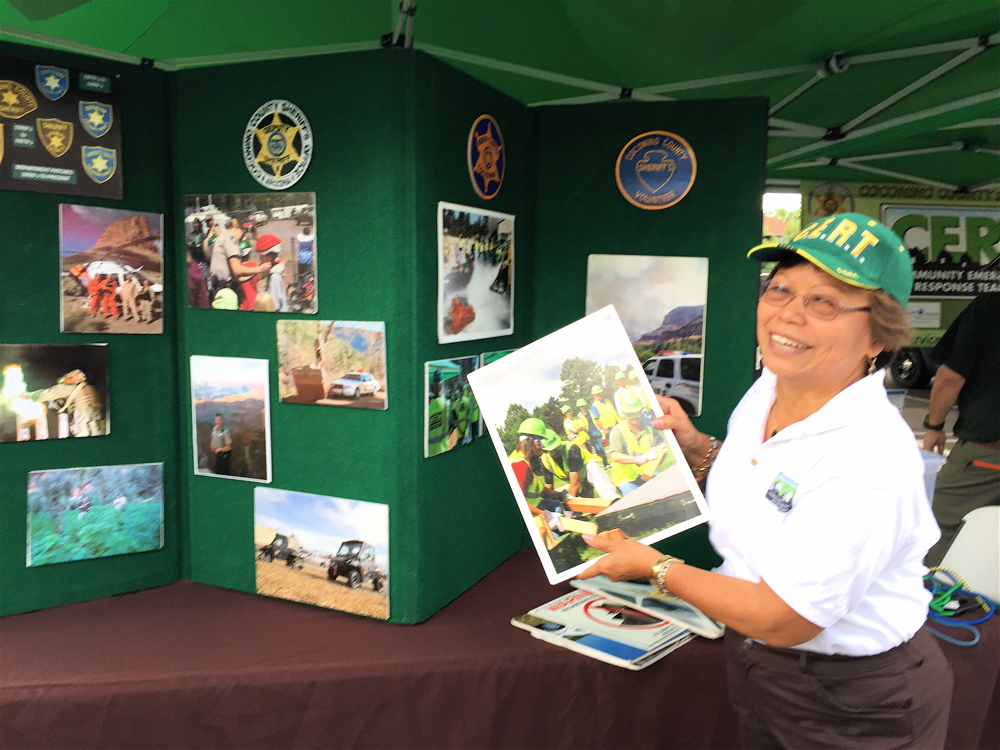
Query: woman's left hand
x,y
626,559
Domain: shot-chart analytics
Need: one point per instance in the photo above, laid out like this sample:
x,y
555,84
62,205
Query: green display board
x,y
390,129
143,396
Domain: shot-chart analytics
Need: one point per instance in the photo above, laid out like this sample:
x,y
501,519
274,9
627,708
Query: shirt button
x,y
753,461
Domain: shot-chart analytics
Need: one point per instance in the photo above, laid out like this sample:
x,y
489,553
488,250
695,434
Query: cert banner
x,y
60,131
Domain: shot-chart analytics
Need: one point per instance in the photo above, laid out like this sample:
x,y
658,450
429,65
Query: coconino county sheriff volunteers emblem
x,y
487,161
655,170
277,144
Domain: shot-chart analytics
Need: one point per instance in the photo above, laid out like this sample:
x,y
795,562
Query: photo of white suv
x,y
677,375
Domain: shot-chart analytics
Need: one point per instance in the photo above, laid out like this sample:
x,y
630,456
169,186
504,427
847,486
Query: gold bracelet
x,y
659,578
713,451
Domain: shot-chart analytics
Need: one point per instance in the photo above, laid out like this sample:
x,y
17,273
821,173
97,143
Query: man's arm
x,y
944,393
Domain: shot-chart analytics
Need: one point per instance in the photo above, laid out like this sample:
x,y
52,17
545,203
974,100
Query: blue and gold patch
x,y
486,158
655,170
99,163
53,82
96,118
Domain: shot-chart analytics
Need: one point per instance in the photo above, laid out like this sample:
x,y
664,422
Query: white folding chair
x,y
975,553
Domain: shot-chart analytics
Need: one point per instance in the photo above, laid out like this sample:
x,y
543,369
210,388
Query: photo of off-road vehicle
x,y
355,561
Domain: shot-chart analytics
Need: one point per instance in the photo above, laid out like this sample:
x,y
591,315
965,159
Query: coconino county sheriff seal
x,y
277,144
655,170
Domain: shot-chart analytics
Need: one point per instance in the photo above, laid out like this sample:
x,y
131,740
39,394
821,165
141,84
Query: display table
x,y
192,666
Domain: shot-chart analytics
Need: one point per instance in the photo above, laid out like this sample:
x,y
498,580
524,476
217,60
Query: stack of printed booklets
x,y
627,624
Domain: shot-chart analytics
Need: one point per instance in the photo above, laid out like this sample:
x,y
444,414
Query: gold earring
x,y
871,366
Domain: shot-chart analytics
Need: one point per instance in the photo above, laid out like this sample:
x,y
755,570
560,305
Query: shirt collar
x,y
840,411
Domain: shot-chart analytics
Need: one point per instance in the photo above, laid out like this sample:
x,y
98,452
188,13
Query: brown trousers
x,y
793,699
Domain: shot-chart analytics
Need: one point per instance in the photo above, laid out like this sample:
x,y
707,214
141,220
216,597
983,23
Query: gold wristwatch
x,y
658,579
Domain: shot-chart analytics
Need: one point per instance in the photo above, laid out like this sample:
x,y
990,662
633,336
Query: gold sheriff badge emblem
x,y
16,100
55,135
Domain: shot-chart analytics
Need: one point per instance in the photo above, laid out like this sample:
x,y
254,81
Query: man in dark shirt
x,y
969,353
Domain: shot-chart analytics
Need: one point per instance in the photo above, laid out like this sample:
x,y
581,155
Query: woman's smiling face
x,y
806,350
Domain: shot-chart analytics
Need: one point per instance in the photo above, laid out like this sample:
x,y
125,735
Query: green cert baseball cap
x,y
853,248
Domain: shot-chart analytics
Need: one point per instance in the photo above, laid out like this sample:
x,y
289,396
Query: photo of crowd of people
x,y
572,418
451,414
475,273
111,268
254,252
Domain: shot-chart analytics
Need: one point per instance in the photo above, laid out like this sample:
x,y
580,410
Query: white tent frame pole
x,y
523,70
405,17
42,40
582,99
824,162
850,163
927,49
904,92
722,80
957,146
990,151
800,128
817,77
983,122
995,182
890,124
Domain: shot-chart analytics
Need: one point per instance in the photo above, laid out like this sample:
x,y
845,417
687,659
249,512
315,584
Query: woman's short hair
x,y
889,322
890,326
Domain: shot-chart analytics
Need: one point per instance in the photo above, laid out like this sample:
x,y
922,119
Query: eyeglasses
x,y
816,305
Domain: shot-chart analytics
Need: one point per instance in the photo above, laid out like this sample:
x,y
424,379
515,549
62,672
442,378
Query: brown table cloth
x,y
193,666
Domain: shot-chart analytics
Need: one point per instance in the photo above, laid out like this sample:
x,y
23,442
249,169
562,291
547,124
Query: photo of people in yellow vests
x,y
637,452
451,414
548,410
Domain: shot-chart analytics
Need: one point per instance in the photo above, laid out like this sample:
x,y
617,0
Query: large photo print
x,y
254,252
570,416
475,273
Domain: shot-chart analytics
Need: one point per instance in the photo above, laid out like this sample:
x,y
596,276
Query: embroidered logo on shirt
x,y
782,492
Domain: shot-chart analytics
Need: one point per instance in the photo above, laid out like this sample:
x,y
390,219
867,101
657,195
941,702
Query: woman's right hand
x,y
693,443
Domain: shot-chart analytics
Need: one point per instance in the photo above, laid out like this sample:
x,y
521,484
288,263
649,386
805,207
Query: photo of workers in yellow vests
x,y
538,406
451,413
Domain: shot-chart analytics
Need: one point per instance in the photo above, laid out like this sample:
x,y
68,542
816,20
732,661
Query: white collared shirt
x,y
831,513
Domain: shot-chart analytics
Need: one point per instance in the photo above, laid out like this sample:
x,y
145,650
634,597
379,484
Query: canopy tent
x,y
859,90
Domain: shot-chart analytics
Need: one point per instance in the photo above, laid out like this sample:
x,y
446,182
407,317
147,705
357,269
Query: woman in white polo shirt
x,y
818,511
